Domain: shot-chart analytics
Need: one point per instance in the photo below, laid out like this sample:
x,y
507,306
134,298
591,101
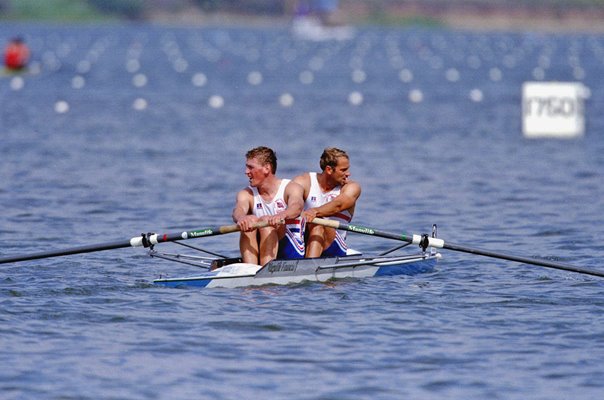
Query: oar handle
x,y
330,223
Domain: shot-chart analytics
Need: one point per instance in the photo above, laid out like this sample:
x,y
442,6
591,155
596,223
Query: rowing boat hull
x,y
284,272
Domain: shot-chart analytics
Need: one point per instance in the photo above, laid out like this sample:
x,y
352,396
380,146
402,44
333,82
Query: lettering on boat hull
x,y
282,266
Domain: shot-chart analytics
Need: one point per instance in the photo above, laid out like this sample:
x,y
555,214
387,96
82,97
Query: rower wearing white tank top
x,y
273,200
329,194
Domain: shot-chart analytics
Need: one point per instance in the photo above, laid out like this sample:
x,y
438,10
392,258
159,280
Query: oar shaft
x,y
439,243
524,260
65,252
143,240
405,237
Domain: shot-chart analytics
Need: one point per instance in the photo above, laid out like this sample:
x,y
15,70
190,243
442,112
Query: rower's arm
x,y
344,201
242,205
294,196
304,181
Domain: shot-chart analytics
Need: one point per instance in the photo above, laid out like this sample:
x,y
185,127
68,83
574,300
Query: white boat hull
x,y
284,272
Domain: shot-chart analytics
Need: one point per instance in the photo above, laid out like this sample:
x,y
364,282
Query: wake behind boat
x,y
283,272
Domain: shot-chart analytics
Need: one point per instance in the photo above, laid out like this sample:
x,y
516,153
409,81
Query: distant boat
x,y
10,73
311,28
314,20
32,69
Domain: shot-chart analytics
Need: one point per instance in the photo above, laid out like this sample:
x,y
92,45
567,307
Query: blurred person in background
x,y
16,55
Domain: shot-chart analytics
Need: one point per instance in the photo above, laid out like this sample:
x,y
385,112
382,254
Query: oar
x,y
426,241
145,240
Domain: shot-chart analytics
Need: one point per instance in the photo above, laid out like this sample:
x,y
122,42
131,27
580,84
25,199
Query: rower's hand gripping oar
x,y
145,240
425,241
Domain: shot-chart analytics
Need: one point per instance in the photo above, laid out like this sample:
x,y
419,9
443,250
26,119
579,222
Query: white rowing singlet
x,y
294,228
317,198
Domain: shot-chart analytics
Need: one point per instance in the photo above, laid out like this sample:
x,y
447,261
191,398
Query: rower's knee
x,y
316,230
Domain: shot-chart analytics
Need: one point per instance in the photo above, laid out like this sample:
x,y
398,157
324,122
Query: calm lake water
x,y
130,129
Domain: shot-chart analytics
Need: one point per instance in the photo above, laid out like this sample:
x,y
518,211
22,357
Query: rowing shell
x,y
284,272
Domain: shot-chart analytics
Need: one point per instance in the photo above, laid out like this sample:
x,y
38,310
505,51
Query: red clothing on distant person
x,y
16,55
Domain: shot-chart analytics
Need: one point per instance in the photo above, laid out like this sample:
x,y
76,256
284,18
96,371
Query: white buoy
x,y
199,79
355,98
84,66
133,65
216,101
416,96
139,80
254,78
61,107
476,95
286,100
140,104
452,75
78,82
307,77
539,73
359,76
495,74
17,83
180,65
405,75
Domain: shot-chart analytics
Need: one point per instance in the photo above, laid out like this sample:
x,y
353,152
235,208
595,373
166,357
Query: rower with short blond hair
x,y
329,194
268,198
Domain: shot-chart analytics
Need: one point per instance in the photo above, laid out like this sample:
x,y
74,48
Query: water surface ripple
x,y
157,123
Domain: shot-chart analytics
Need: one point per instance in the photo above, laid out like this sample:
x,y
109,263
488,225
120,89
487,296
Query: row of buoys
x,y
431,49
426,53
317,61
285,100
256,78
440,54
306,77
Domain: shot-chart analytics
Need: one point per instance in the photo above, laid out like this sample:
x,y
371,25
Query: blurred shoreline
x,y
494,18
563,16
540,22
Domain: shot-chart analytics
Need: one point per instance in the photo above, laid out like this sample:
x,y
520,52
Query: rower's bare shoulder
x,y
352,187
294,187
246,191
353,184
303,180
245,194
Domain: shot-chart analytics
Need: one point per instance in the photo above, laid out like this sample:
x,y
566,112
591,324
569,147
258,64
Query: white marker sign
x,y
553,109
